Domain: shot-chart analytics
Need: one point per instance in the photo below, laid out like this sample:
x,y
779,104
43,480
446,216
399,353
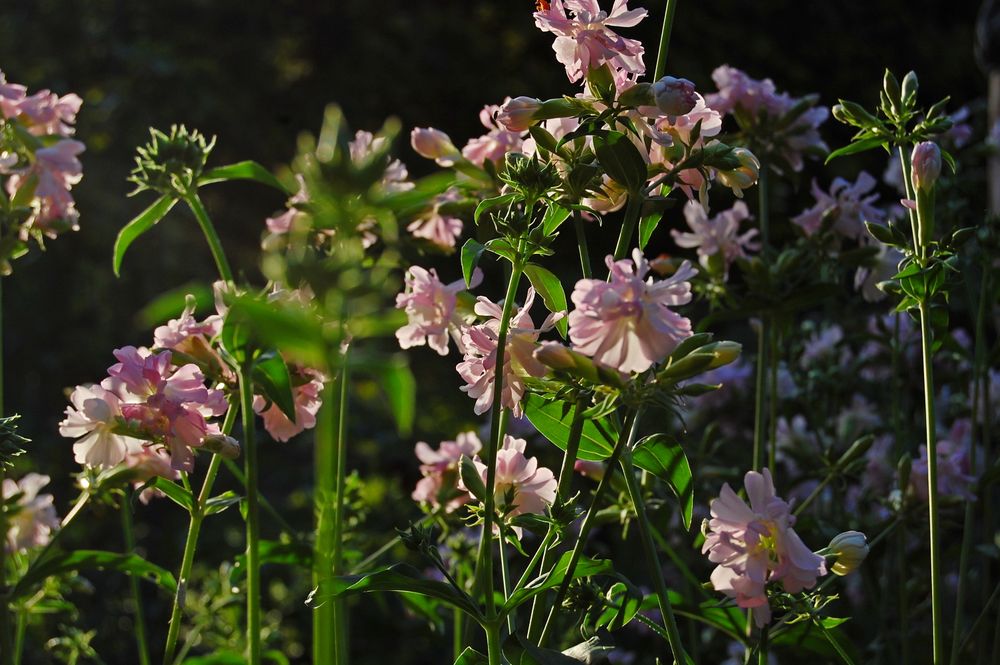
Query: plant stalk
x,y
250,470
214,244
661,53
141,641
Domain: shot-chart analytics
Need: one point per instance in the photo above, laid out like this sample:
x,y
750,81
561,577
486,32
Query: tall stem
x,y
581,243
904,160
325,615
760,397
652,561
252,516
141,642
340,474
661,54
628,225
937,617
764,205
214,244
191,543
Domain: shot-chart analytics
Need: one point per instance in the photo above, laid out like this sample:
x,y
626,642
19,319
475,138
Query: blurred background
x,y
258,73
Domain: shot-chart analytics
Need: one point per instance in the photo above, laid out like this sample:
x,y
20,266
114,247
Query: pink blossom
x,y
926,165
496,143
440,471
585,41
284,222
850,205
674,96
55,170
436,227
148,462
364,146
756,545
30,521
521,485
517,114
434,144
306,391
10,95
46,113
176,333
93,419
738,90
593,470
718,235
679,127
626,322
478,369
430,310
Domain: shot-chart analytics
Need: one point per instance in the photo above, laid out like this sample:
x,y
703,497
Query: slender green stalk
x,y
214,244
652,561
588,523
21,630
760,396
505,581
762,647
833,642
493,640
904,597
581,243
139,627
325,615
937,615
904,160
632,211
340,474
979,619
6,641
191,543
661,54
457,643
764,205
250,470
266,505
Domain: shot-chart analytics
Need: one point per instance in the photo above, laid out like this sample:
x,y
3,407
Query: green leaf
x,y
596,442
622,606
400,388
492,204
621,160
270,373
550,288
520,651
248,170
175,493
65,562
217,504
585,567
273,552
471,657
554,216
169,305
143,222
856,147
647,225
472,250
295,330
399,577
663,457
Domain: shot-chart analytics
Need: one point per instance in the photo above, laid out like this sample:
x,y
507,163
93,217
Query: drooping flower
x,y
626,322
756,545
478,369
439,228
718,235
93,420
430,310
496,143
585,40
521,485
850,205
34,519
440,471
307,387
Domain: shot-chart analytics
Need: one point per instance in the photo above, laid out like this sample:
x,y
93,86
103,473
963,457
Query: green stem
x,y
760,398
505,580
904,160
764,205
624,441
632,211
214,244
772,391
937,618
194,529
21,629
979,619
141,642
762,647
661,54
904,598
457,645
340,491
266,505
325,615
493,653
833,642
652,561
581,243
250,470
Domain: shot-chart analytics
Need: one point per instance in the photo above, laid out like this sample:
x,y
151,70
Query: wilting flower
x,y
93,420
756,545
585,41
849,549
430,310
434,144
850,205
440,471
32,521
307,386
478,369
718,235
496,143
926,165
626,322
674,96
521,485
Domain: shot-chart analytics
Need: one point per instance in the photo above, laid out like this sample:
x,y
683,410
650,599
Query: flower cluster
x,y
849,205
33,518
717,239
430,310
439,485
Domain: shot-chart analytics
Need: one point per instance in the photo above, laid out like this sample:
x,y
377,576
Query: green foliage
x,y
663,456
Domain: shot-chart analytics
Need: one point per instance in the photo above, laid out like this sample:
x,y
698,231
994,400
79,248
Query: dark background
x,y
256,74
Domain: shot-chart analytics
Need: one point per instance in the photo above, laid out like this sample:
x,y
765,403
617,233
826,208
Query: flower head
x,y
440,471
434,144
718,235
626,322
364,146
93,420
850,205
307,386
430,310
517,114
849,549
926,165
33,519
674,96
496,143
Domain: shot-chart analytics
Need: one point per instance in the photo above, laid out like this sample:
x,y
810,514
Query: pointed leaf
x,y
472,250
621,160
143,222
596,442
663,457
270,373
647,225
65,562
248,170
550,288
471,657
856,147
585,567
175,493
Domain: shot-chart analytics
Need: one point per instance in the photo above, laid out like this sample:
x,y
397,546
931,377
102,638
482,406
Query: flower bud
x,y
519,113
593,470
222,445
674,96
925,165
849,549
725,352
434,144
743,176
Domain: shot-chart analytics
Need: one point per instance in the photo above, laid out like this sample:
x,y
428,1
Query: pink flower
x,y
434,144
756,545
585,41
33,518
438,228
440,471
850,205
176,333
593,470
496,143
718,235
926,165
430,310
93,419
521,485
736,89
626,322
675,96
517,114
364,146
306,391
282,223
56,169
148,462
46,113
481,343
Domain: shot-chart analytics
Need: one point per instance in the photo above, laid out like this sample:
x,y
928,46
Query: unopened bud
x,y
745,175
519,113
725,352
925,165
434,144
222,445
674,96
849,549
